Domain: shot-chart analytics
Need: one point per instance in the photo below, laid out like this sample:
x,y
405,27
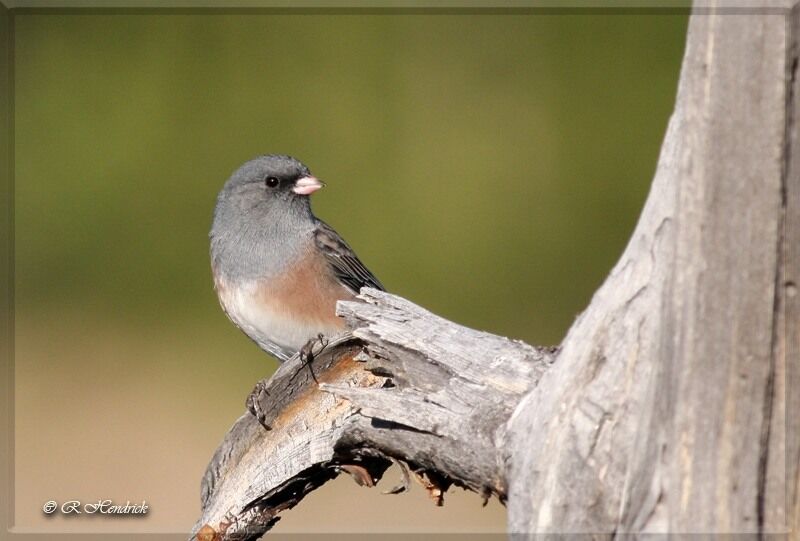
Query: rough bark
x,y
782,467
665,409
669,407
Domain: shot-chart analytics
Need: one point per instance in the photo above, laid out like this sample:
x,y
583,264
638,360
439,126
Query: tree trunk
x,y
666,409
668,406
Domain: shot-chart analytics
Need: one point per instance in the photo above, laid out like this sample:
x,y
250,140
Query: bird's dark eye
x,y
272,182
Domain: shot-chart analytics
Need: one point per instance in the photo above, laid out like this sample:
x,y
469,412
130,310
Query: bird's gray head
x,y
270,181
263,207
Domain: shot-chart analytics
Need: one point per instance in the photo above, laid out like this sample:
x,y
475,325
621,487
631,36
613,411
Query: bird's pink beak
x,y
307,185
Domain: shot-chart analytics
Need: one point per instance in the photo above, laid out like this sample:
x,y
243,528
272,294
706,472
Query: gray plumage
x,y
255,232
263,227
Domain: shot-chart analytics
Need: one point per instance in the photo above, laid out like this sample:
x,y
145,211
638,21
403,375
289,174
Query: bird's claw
x,y
307,353
254,403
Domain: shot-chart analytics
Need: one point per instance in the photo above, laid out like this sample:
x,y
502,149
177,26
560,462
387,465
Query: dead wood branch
x,y
406,385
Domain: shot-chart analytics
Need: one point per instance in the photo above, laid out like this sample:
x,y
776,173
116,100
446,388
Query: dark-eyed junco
x,y
278,269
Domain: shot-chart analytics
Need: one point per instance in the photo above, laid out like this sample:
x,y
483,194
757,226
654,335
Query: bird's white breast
x,y
267,322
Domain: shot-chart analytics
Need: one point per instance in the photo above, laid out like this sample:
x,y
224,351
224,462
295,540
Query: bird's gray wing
x,y
349,270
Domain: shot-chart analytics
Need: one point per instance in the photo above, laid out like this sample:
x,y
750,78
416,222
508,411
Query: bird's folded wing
x,y
349,270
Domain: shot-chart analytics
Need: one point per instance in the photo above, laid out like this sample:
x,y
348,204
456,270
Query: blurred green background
x,y
487,167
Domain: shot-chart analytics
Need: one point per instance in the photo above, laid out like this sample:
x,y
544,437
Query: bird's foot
x,y
254,403
307,353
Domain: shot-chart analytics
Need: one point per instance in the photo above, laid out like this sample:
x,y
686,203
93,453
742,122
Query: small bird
x,y
278,269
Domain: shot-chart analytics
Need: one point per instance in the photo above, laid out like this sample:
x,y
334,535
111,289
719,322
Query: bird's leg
x,y
254,403
307,356
307,353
